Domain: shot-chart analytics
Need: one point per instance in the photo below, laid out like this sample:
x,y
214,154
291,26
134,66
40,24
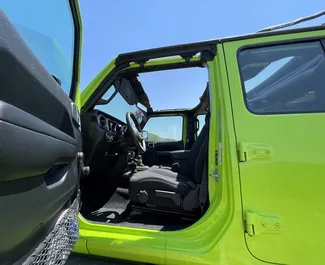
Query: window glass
x,y
284,78
165,129
201,119
117,107
47,28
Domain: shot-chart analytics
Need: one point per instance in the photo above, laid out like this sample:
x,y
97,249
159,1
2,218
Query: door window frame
x,y
75,81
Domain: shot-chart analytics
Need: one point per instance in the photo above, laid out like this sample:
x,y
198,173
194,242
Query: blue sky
x,y
113,27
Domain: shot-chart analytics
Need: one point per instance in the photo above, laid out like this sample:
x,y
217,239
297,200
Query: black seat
x,y
164,189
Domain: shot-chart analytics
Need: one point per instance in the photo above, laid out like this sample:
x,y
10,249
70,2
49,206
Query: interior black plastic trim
x,y
15,116
163,153
33,153
38,147
21,185
183,50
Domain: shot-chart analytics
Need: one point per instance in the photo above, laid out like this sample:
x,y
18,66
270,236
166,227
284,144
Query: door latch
x,y
84,170
256,224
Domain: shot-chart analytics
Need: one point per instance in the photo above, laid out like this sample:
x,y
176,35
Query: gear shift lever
x,y
140,163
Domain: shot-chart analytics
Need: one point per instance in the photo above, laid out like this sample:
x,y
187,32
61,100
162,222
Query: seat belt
x,y
203,193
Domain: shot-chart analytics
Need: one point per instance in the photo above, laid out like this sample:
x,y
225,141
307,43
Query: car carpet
x,y
113,211
117,211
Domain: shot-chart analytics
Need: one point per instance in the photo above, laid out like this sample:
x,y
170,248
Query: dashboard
x,y
110,125
102,135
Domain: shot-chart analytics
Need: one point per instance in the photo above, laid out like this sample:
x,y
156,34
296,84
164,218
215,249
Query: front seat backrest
x,y
194,153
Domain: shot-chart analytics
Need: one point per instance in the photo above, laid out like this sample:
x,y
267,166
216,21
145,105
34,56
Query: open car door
x,y
40,139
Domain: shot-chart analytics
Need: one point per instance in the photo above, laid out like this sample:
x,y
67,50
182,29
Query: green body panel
x,y
92,86
216,238
219,236
283,190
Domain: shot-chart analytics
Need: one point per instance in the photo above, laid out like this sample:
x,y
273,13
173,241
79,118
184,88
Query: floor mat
x,y
117,211
114,210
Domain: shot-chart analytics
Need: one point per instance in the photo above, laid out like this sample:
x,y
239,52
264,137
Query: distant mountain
x,y
156,138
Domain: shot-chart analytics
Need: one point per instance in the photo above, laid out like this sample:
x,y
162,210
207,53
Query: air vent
x,y
102,121
118,128
114,128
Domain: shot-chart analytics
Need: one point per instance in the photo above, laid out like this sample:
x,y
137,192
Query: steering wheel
x,y
135,132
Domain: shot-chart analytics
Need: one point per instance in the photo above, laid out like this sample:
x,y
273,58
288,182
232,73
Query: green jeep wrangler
x,y
241,180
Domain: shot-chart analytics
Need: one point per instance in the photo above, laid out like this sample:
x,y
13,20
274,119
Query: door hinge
x,y
256,224
249,151
216,175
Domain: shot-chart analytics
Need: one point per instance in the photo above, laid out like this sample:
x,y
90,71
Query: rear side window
x,y
284,79
165,128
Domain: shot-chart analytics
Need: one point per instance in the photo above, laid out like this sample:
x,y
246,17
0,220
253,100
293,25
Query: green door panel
x,y
93,85
217,238
122,243
282,165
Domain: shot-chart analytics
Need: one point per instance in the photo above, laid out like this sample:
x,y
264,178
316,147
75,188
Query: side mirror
x,y
145,135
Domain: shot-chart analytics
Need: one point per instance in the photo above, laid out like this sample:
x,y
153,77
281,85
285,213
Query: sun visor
x,y
141,95
124,87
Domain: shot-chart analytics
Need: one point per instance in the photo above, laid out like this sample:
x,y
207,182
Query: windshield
x,y
117,107
47,28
